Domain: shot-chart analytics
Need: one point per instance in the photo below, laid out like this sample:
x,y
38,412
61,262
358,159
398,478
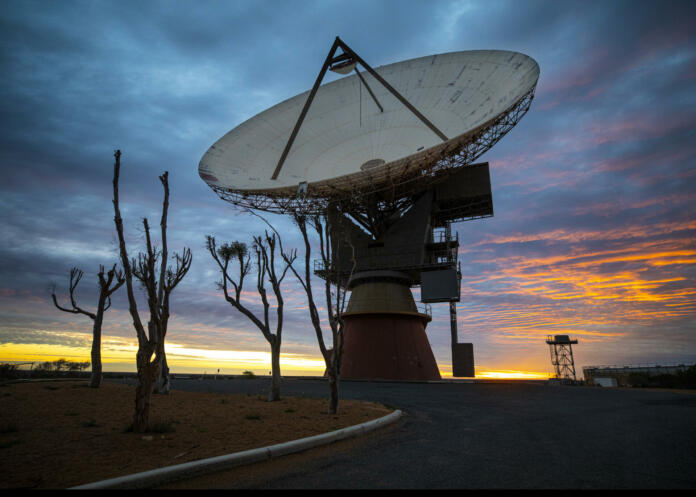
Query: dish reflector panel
x,y
345,136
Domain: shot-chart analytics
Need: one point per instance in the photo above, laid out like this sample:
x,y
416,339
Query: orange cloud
x,y
646,276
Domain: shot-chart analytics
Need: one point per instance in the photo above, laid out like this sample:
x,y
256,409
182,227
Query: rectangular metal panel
x,y
468,181
465,194
463,360
440,286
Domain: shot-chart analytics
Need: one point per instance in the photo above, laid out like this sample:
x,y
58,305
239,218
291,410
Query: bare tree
x,y
265,253
158,286
335,294
107,286
144,269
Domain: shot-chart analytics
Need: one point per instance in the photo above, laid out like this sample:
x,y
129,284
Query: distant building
x,y
619,375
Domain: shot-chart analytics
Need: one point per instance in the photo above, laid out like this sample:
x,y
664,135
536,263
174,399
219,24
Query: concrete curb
x,y
213,464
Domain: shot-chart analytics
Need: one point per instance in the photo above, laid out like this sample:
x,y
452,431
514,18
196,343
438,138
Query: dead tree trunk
x,y
148,371
107,286
151,343
334,291
96,377
274,393
265,251
163,385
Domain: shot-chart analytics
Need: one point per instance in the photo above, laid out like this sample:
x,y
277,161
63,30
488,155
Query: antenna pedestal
x,y
384,332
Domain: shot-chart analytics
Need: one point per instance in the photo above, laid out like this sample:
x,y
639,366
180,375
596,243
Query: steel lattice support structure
x,y
561,350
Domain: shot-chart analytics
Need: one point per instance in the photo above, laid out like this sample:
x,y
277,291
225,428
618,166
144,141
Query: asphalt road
x,y
488,435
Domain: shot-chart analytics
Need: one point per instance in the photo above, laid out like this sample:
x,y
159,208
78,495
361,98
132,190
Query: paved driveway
x,y
490,435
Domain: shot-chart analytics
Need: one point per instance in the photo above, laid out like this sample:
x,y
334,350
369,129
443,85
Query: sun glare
x,y
181,359
512,375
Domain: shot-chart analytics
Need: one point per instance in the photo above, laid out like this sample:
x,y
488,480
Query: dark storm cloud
x,y
46,337
87,77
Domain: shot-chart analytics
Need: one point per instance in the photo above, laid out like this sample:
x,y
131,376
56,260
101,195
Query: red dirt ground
x,y
61,434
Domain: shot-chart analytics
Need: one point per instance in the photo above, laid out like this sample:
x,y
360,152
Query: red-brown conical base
x,y
387,346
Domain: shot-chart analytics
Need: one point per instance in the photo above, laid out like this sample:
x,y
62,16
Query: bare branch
x,y
286,256
107,285
262,266
118,221
225,253
163,225
182,265
75,276
120,280
306,282
222,256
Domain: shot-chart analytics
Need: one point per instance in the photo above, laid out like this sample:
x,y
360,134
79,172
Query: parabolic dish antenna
x,y
359,137
387,155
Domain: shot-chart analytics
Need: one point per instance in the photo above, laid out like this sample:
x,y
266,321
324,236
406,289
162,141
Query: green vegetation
x,y
48,369
248,375
61,365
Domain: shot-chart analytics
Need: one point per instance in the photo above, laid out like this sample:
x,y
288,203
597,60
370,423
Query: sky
x,y
594,190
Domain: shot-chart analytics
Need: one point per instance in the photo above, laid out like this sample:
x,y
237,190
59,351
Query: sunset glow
x,y
513,375
179,358
185,360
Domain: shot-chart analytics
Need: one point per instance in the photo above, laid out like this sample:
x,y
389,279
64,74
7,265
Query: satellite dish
x,y
357,137
388,155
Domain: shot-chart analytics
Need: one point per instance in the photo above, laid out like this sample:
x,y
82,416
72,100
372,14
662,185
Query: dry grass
x,y
62,434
